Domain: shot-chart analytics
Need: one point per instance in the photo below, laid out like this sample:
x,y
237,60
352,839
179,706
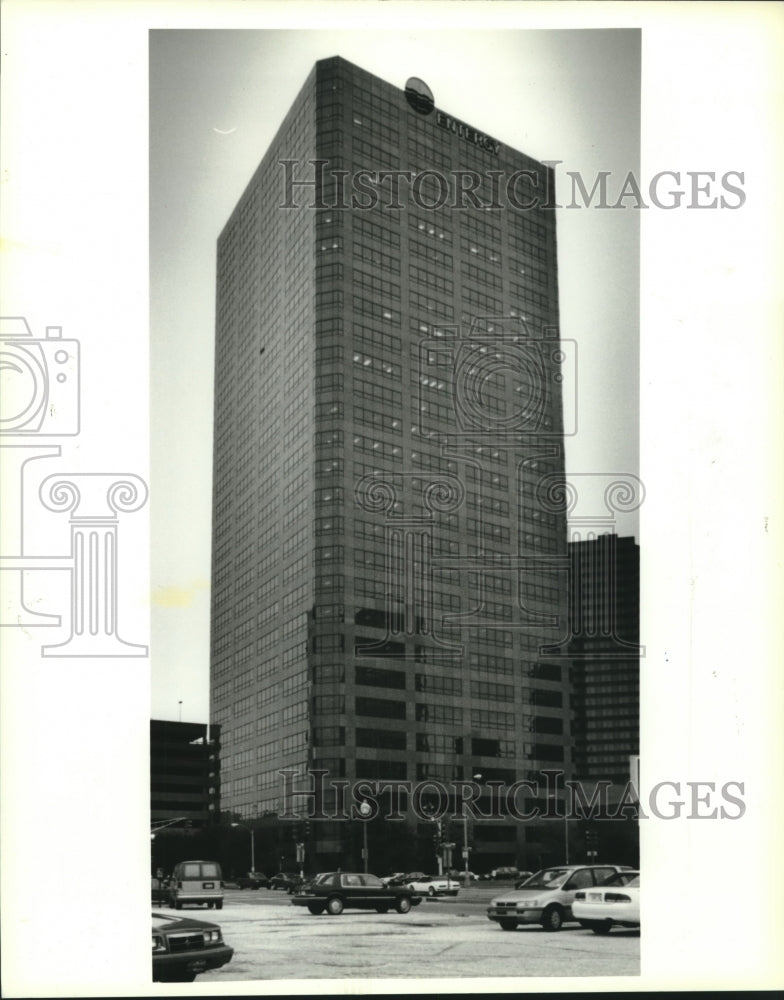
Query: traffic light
x,y
591,837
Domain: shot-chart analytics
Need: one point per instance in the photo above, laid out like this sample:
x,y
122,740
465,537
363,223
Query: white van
x,y
196,882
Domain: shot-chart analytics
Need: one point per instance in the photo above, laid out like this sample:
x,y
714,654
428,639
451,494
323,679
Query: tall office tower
x,y
389,535
605,671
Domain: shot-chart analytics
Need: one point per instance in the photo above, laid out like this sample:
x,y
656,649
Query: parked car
x,y
396,878
288,881
404,878
505,871
459,876
182,948
196,882
616,902
435,885
546,898
336,891
253,880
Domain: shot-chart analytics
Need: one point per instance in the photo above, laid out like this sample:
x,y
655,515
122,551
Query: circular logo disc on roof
x,y
419,96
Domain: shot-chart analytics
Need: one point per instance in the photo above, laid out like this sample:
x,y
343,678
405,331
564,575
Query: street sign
x,y
465,851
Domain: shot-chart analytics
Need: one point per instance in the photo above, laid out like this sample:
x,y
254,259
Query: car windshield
x,y
549,878
620,878
635,882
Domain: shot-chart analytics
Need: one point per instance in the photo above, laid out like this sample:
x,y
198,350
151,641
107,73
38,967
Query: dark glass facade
x,y
388,556
605,670
184,773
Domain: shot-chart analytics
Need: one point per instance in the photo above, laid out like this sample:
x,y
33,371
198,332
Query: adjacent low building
x,y
184,773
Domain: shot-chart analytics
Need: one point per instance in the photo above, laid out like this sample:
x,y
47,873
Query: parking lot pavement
x,y
274,940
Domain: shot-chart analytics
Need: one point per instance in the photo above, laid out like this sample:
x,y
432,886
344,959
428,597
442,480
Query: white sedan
x,y
435,885
615,902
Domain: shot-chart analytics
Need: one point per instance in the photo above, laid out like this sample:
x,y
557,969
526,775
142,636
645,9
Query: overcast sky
x,y
216,101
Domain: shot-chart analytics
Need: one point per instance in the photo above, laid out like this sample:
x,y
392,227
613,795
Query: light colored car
x,y
196,882
435,885
615,903
546,898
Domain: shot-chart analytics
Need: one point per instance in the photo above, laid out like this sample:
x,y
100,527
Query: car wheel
x,y
431,891
507,924
219,905
177,904
316,908
552,919
601,927
335,906
404,904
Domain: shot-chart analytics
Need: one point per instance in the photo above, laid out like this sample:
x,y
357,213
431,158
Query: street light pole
x,y
466,876
242,826
566,826
365,809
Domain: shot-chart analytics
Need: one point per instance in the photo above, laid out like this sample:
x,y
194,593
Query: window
x,y
439,713
323,703
328,643
381,769
378,677
485,719
438,684
379,365
437,743
382,739
329,736
381,708
547,724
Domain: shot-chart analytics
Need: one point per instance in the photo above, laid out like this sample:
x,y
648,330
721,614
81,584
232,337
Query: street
x,y
445,938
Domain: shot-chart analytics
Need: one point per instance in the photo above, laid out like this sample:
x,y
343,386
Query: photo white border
x,y
75,780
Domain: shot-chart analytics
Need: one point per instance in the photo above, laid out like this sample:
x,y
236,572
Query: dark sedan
x,y
288,881
253,880
336,891
182,948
